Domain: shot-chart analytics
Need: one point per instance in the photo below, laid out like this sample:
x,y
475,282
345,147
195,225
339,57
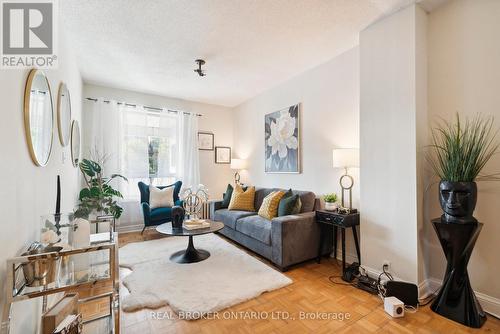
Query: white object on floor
x,y
394,307
228,277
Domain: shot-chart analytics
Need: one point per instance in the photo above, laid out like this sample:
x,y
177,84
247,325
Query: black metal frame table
x,y
190,254
342,221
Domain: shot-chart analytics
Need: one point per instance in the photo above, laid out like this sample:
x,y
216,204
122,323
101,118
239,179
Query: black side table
x,y
336,220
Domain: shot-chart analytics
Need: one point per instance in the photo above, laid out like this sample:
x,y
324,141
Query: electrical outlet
x,y
386,265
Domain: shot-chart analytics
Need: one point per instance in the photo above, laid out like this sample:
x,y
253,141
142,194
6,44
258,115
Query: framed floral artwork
x,y
222,155
282,141
205,141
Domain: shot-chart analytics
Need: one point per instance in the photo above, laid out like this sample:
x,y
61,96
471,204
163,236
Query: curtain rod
x,y
156,109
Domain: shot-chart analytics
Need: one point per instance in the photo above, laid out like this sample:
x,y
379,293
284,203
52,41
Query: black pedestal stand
x,y
190,255
456,299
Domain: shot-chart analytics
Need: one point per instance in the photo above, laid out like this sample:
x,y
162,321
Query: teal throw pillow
x,y
287,205
227,196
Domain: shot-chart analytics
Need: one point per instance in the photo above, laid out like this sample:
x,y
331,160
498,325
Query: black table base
x,y
456,299
190,255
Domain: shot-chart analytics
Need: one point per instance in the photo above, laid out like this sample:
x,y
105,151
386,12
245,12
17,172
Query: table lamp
x,y
346,158
238,164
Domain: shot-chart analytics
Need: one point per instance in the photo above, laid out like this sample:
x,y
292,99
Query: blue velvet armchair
x,y
157,216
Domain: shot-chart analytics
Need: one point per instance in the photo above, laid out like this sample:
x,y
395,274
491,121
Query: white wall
x,y
215,119
29,191
329,118
464,76
389,108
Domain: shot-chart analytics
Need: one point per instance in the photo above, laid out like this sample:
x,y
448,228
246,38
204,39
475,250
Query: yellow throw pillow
x,y
269,207
242,200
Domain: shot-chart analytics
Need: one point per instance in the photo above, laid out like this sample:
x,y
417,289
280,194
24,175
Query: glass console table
x,y
77,269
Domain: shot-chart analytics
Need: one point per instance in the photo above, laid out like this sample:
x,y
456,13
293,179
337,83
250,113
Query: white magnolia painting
x,y
282,141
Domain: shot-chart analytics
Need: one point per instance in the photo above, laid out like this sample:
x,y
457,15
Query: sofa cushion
x,y
161,214
227,197
242,200
298,206
260,194
287,205
308,199
161,198
269,207
255,227
229,217
144,190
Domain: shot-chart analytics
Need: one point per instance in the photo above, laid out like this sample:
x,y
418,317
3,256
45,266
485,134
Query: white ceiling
x,y
249,45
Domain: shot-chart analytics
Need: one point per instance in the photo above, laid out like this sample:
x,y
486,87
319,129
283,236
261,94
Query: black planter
x,y
458,201
177,217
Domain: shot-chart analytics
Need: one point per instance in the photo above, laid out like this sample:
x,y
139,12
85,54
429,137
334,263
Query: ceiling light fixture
x,y
198,70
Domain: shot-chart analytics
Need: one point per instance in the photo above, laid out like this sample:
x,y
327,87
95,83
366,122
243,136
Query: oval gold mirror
x,y
75,143
38,117
64,114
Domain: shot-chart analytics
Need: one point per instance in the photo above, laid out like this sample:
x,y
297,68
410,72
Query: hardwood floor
x,y
287,308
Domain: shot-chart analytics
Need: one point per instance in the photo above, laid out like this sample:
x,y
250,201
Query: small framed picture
x,y
205,141
222,155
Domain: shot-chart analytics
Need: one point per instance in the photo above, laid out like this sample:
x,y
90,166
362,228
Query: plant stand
x,y
456,299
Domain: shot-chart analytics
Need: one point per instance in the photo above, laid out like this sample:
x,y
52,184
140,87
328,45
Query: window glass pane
x,y
134,160
154,146
150,149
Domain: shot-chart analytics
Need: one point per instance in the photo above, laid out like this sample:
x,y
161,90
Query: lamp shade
x,y
238,164
345,157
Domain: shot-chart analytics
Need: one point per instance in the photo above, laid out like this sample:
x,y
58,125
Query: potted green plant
x,y
460,151
331,202
98,197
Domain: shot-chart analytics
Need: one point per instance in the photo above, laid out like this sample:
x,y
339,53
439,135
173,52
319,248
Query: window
x,y
154,146
149,148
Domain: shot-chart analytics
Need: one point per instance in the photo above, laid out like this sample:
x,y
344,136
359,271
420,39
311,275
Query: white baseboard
x,y
129,228
490,304
349,257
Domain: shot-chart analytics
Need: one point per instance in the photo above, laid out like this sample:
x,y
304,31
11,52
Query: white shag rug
x,y
228,277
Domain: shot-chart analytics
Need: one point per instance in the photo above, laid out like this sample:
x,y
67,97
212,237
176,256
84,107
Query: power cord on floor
x,y
333,277
362,281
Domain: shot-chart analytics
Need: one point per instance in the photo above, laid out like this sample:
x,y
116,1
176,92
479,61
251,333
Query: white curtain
x,y
153,147
103,134
188,163
168,147
134,153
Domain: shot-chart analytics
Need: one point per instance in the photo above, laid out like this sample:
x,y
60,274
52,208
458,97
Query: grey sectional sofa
x,y
285,240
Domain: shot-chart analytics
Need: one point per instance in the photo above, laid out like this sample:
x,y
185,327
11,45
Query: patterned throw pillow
x,y
297,208
242,199
269,207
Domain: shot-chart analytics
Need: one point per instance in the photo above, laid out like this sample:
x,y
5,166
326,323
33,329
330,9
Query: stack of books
x,y
194,224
